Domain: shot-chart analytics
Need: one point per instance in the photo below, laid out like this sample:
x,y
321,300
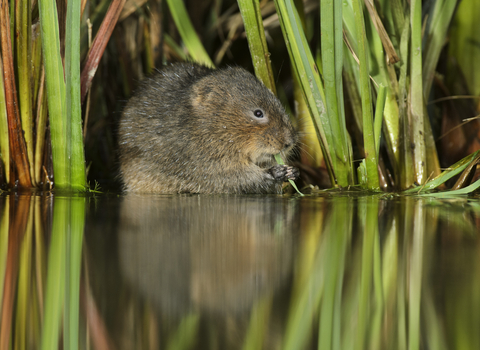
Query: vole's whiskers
x,y
302,146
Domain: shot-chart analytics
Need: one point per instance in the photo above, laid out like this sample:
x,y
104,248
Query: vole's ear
x,y
203,94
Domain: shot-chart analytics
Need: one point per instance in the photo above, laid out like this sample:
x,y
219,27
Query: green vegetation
x,y
364,75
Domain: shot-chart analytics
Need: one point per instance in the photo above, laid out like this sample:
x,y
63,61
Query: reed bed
x,y
367,273
363,80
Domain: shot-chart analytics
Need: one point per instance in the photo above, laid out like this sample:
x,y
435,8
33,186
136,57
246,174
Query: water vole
x,y
194,129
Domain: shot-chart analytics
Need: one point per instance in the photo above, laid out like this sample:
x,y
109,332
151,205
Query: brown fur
x,y
193,129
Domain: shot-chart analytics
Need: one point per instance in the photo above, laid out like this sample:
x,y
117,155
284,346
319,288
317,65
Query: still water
x,y
239,272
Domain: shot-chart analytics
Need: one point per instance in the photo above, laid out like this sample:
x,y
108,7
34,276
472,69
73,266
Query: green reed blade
x,y
453,170
257,44
54,77
406,168
307,73
252,19
371,161
460,192
379,109
187,32
332,63
74,132
435,40
42,114
416,93
380,73
463,43
37,63
172,45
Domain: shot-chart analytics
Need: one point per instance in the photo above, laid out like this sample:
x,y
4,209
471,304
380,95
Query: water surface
x,y
239,272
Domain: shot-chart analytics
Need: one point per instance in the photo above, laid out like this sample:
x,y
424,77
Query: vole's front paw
x,y
284,172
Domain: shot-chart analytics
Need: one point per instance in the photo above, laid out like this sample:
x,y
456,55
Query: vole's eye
x,y
258,113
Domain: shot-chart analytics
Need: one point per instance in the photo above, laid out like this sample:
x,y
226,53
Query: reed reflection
x,y
40,270
214,272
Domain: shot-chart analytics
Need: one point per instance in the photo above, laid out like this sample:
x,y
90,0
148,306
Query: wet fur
x,y
190,129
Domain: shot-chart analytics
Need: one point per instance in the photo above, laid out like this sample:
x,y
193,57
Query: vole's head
x,y
243,114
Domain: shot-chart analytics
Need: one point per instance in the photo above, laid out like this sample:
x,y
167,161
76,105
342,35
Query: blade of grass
x,y
371,162
416,93
463,43
311,153
406,168
37,64
257,44
398,15
435,40
54,77
42,113
252,19
76,169
381,73
307,73
172,45
455,169
382,33
24,74
332,63
379,108
187,32
463,191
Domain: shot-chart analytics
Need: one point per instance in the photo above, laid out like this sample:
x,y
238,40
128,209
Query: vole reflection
x,y
205,253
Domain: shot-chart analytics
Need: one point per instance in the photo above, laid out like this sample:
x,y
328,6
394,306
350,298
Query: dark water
x,y
239,272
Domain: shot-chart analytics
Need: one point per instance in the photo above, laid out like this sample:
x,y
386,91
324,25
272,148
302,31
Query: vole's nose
x,y
289,141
